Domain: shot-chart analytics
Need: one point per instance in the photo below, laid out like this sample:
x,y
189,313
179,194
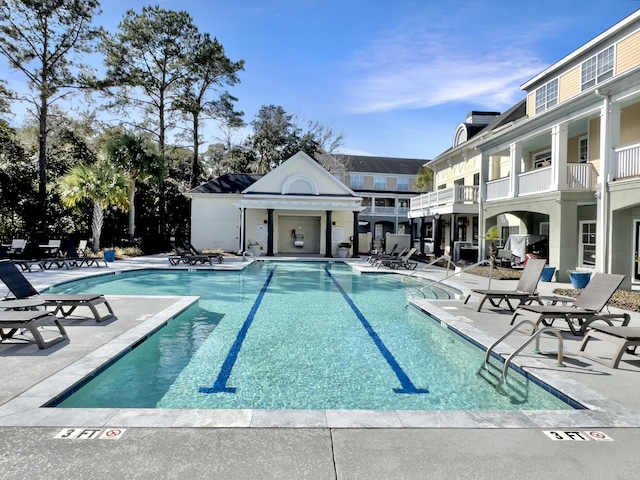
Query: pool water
x,y
303,335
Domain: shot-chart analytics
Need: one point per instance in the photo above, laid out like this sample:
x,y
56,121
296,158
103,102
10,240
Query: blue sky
x,y
395,77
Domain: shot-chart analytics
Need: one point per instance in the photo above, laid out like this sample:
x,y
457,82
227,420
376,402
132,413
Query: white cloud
x,y
414,69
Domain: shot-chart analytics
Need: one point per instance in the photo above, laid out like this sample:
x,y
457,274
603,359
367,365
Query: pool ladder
x,y
535,335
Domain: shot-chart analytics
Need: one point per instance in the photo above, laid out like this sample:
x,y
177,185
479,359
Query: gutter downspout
x,y
605,159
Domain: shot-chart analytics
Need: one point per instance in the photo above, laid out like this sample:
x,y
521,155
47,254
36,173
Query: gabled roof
x,y
518,111
299,175
228,183
365,164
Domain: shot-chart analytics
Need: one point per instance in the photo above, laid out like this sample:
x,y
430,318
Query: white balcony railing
x,y
580,176
498,188
447,196
627,163
534,181
372,210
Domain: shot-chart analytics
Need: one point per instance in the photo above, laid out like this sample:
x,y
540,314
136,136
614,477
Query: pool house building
x,y
297,208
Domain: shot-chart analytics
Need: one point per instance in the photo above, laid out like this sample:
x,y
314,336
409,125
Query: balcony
x,y
460,194
390,211
627,161
580,176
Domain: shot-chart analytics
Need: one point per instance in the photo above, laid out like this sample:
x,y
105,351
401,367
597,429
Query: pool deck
x,y
309,444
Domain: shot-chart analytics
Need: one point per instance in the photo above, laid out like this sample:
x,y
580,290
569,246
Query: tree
x,y
102,184
147,61
136,156
275,138
43,39
17,193
209,69
424,182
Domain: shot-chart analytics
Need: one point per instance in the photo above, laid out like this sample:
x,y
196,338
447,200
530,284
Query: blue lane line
x,y
405,381
220,385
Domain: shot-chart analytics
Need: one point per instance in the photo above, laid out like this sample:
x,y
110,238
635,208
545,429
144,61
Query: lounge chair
x,y
374,257
525,290
194,251
622,337
14,321
402,261
65,304
71,258
586,308
182,255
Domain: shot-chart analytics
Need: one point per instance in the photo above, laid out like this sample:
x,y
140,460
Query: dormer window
x,y
598,68
547,96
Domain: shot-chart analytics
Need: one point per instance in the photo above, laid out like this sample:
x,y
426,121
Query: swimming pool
x,y
284,335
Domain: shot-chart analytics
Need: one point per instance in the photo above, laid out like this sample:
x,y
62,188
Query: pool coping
x,y
26,408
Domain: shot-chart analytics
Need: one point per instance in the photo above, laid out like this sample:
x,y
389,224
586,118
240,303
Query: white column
x,y
515,159
609,139
559,139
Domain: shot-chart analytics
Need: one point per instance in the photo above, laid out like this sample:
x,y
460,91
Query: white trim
x,y
292,179
581,244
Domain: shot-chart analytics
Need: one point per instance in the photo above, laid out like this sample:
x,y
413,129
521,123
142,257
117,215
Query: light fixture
x,y
436,216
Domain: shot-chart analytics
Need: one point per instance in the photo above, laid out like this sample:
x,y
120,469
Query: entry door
x,y
636,270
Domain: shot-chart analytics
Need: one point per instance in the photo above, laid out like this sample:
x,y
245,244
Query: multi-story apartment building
x,y
564,163
386,186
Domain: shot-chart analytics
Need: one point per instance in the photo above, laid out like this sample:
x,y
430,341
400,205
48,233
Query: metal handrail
x,y
509,332
535,335
482,262
427,265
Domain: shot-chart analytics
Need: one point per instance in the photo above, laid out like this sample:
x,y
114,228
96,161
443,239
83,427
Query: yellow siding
x,y
367,182
531,104
628,53
630,124
569,85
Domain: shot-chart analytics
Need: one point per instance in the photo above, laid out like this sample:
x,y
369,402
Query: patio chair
x,y
194,251
17,246
392,254
182,255
525,290
503,257
402,261
65,304
14,321
622,337
586,308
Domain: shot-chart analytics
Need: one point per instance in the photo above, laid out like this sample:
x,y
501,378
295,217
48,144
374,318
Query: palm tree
x,y
102,184
135,155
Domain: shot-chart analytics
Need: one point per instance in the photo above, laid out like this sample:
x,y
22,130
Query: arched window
x,y
300,184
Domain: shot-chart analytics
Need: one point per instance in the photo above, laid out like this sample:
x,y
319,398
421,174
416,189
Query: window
x,y
541,160
380,183
587,248
403,184
583,150
357,182
598,68
547,96
442,187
